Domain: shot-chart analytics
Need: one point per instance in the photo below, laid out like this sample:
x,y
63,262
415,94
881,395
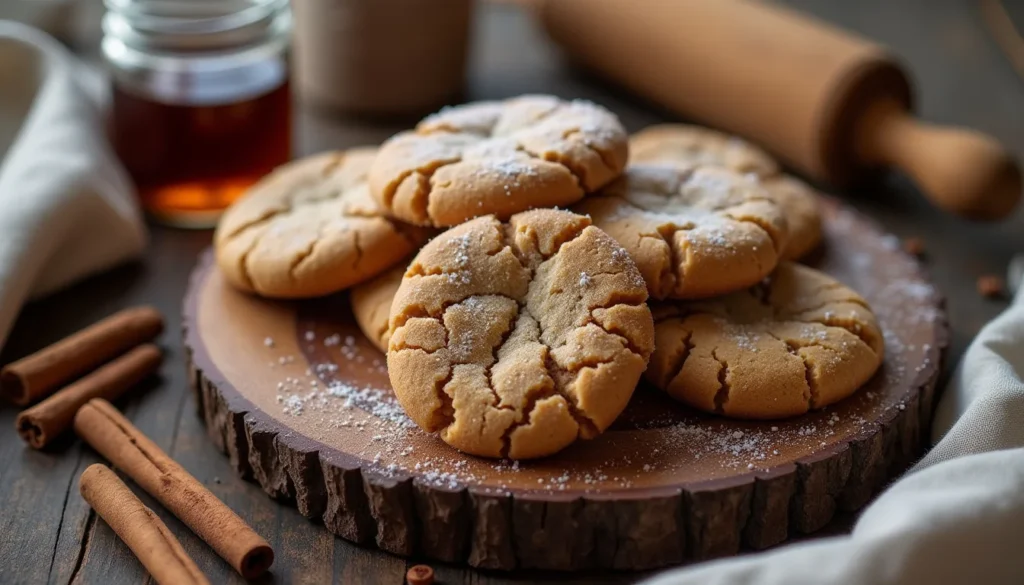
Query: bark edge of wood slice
x,y
280,386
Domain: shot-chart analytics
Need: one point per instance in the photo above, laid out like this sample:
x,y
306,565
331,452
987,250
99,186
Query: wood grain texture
x,y
47,534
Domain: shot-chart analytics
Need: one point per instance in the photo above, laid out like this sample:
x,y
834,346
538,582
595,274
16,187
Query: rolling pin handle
x,y
961,171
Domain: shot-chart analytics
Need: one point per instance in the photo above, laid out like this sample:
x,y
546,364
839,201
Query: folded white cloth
x,y
957,518
67,207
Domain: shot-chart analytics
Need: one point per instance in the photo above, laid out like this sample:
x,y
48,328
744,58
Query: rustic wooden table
x,y
49,535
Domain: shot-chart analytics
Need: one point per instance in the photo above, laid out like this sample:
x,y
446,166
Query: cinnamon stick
x,y
39,374
45,421
420,575
142,530
110,433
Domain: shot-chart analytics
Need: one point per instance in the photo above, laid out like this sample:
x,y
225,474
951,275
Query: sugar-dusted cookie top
x,y
798,341
691,146
311,228
498,158
513,339
686,146
693,233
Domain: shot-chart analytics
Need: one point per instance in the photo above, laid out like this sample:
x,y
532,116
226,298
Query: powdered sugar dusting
x,y
621,255
461,244
300,396
711,183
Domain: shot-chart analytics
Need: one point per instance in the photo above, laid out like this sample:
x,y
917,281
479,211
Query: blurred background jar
x,y
388,58
200,104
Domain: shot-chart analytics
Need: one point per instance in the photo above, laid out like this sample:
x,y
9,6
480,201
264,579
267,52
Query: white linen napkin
x,y
957,518
67,207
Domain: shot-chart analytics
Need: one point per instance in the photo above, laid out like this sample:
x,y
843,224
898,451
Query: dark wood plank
x,y
353,564
34,492
46,532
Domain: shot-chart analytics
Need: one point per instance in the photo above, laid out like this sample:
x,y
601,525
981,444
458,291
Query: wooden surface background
x,y
47,533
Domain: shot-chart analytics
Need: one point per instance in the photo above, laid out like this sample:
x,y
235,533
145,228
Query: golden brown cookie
x,y
311,228
799,341
687,146
513,339
691,146
371,304
693,233
498,158
799,203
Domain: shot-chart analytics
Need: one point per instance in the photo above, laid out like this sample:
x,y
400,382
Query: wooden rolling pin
x,y
826,102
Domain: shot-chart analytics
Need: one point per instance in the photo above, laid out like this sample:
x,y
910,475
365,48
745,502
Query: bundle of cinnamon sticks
x,y
107,358
74,379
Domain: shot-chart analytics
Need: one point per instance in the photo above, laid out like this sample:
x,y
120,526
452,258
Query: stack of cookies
x,y
523,278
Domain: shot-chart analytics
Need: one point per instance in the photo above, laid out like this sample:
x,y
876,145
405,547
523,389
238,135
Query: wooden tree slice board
x,y
300,402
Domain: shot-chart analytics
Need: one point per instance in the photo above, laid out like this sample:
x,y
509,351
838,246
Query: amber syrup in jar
x,y
201,105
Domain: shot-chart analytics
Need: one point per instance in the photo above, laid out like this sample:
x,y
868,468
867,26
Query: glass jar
x,y
201,104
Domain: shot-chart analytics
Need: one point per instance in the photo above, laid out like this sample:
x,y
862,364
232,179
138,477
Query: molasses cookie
x,y
514,339
796,342
498,158
311,228
371,304
799,203
691,146
688,146
693,233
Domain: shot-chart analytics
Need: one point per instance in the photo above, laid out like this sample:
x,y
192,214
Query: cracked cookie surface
x,y
311,228
686,146
514,339
798,341
693,233
371,304
498,158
